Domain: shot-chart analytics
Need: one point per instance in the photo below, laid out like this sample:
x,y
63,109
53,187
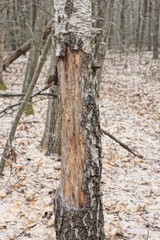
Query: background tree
x,y
3,13
51,140
149,42
156,29
123,25
35,50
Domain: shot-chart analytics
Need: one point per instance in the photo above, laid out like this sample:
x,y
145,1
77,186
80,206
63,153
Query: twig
x,y
33,95
151,226
24,102
121,144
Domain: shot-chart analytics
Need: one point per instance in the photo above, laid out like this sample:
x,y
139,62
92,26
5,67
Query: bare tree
x,y
123,25
138,26
149,42
143,26
156,29
35,51
78,206
3,12
51,140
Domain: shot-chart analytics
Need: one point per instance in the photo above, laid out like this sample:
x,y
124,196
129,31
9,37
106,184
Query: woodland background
x,y
129,111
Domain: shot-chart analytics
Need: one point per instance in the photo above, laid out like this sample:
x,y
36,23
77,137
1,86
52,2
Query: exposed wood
x,y
78,204
73,146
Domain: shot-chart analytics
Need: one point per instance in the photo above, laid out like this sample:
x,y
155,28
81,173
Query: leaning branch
x,y
10,95
23,49
23,104
122,144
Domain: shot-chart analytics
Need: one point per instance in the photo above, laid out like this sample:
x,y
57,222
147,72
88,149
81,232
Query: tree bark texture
x,y
78,205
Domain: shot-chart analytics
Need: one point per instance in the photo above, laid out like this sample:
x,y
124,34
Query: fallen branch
x,y
122,144
23,49
33,95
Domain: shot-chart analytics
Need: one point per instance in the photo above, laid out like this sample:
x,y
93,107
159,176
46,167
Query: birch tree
x,y
78,205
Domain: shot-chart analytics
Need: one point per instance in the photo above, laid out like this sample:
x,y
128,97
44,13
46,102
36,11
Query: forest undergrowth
x,y
130,110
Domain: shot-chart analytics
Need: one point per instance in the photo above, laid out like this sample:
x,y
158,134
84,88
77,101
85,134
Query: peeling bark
x,y
78,205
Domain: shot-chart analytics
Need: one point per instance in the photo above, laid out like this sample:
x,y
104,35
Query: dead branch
x,y
33,95
24,102
23,49
122,144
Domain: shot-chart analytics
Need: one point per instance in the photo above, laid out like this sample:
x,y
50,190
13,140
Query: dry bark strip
x,y
122,144
23,49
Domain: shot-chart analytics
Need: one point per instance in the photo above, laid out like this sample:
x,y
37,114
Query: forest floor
x,y
130,110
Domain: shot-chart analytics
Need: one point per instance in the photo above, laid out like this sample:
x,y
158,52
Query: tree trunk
x,y
34,53
110,22
34,12
3,13
51,140
145,5
138,26
78,206
51,137
122,26
149,43
102,45
156,30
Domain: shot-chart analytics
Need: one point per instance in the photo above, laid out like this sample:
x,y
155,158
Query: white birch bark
x,y
78,206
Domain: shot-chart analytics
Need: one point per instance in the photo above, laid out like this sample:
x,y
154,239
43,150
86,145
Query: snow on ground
x,y
130,110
